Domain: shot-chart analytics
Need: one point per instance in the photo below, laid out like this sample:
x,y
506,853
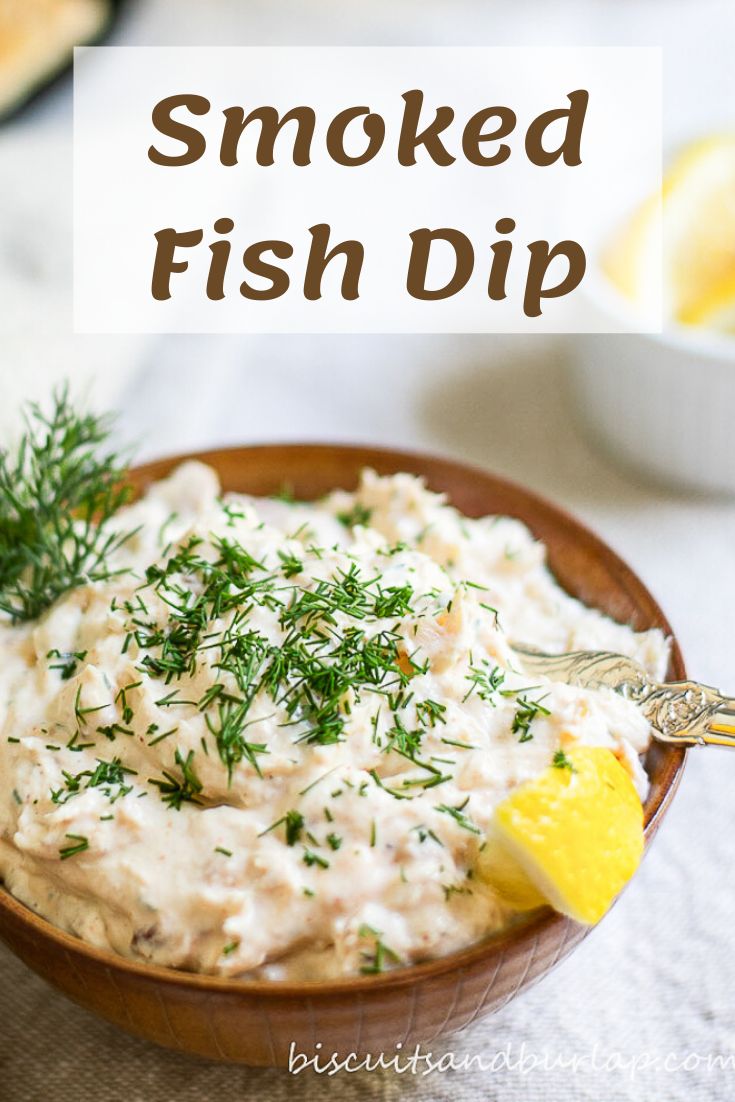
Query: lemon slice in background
x,y
633,259
691,247
572,837
716,309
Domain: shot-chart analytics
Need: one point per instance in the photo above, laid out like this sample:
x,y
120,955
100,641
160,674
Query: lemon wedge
x,y
685,238
572,837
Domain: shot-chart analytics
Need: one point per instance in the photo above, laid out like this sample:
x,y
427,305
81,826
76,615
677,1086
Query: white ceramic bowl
x,y
660,403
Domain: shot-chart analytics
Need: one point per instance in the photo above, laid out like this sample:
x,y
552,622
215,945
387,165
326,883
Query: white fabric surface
x,y
658,976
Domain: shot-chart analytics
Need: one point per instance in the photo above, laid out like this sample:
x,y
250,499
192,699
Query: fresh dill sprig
x,y
57,493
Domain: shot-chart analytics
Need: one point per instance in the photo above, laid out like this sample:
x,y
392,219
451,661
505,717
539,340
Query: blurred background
x,y
631,433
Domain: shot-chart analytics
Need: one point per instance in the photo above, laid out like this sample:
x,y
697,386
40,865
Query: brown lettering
x,y
541,259
464,260
192,138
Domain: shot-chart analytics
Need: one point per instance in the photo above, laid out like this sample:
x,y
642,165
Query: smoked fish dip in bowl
x,y
262,755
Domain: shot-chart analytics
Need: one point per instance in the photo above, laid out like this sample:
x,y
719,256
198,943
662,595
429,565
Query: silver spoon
x,y
681,712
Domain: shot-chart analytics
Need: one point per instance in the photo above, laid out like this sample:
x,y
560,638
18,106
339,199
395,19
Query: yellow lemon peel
x,y
571,837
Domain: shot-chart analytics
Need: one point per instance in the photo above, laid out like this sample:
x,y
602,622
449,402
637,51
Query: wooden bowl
x,y
256,1022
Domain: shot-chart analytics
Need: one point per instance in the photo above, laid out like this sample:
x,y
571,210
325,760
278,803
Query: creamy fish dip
x,y
271,746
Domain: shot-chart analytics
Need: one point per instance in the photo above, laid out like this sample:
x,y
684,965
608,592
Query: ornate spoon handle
x,y
683,712
689,713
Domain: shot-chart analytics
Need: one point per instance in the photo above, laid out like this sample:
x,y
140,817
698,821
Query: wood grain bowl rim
x,y
437,470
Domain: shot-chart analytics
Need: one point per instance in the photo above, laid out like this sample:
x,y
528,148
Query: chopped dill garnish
x,y
122,700
162,736
285,493
431,712
80,843
81,713
67,662
391,791
311,858
290,564
294,821
485,680
526,712
108,776
393,602
357,515
175,791
381,953
424,832
294,826
112,730
455,889
77,746
561,761
228,734
402,741
320,667
457,813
